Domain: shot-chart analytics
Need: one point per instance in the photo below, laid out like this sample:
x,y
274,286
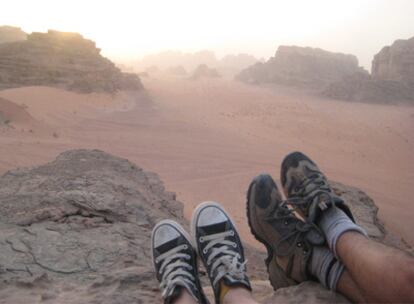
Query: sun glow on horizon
x,y
130,29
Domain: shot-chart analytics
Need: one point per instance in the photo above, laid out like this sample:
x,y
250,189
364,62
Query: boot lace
x,y
310,188
282,213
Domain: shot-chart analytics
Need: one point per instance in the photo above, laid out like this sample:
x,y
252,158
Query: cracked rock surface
x,y
77,230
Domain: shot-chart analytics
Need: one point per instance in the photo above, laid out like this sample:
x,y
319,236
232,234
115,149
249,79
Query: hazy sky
x,y
132,28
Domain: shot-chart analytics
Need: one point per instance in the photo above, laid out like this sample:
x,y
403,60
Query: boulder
x,y
77,230
62,60
303,67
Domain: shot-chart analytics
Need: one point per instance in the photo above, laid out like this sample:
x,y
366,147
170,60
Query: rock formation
x,y
203,71
395,62
391,79
77,230
63,60
11,34
301,67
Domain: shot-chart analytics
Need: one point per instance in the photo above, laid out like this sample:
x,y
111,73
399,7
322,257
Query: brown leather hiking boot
x,y
288,239
307,189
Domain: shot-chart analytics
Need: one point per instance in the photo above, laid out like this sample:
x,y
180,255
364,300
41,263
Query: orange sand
x,y
208,138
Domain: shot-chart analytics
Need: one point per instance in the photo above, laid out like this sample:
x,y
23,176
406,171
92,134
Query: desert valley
x,y
215,133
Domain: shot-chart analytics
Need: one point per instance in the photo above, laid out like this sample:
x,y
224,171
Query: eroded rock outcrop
x,y
391,79
63,60
77,230
11,34
302,67
395,62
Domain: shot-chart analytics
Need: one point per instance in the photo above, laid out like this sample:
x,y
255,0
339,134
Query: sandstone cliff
x,y
77,230
11,34
61,59
302,67
395,62
391,79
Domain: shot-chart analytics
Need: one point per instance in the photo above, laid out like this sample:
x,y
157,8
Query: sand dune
x,y
208,138
11,112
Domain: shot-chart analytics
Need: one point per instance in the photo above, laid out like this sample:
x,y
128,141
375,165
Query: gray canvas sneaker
x,y
289,240
175,262
219,247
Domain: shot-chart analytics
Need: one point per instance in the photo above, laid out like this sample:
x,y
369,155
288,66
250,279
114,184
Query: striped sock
x,y
325,267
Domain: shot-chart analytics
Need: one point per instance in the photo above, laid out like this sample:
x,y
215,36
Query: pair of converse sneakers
x,y
214,240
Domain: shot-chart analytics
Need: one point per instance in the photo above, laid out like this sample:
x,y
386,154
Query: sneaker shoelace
x,y
223,260
177,272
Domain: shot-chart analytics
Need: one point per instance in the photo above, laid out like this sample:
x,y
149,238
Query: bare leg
x,y
383,274
347,287
185,298
239,295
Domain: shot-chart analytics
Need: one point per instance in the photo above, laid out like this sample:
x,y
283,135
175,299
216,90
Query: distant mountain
x,y
62,60
203,71
302,67
177,70
11,34
169,60
239,61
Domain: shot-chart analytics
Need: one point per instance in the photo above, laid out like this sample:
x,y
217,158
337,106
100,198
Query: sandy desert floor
x,y
207,139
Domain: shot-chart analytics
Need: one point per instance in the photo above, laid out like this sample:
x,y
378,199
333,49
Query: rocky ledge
x,y
62,60
77,230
